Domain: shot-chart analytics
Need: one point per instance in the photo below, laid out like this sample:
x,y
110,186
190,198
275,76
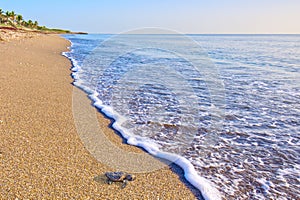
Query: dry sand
x,y
10,33
41,154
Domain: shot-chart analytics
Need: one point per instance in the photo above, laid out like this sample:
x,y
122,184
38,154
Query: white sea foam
x,y
206,188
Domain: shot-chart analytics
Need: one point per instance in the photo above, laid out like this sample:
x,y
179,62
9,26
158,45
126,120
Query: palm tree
x,y
24,23
7,19
7,14
1,12
35,24
29,23
19,19
3,16
12,15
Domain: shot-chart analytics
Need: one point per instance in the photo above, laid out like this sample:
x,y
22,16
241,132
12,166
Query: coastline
x,y
42,155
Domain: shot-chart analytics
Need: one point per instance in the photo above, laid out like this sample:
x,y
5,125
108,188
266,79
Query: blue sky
x,y
186,16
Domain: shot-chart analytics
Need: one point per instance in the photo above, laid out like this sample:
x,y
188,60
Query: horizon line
x,y
192,33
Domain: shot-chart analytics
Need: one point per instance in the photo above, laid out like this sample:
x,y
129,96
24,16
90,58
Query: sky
x,y
184,16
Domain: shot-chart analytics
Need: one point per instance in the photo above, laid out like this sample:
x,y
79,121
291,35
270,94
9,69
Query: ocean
x,y
225,108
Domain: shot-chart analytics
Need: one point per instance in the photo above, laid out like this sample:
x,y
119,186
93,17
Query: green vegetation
x,y
10,19
43,28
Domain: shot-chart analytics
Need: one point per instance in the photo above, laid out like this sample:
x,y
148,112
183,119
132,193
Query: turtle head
x,y
130,177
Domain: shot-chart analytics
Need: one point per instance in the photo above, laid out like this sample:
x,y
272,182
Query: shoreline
x,y
188,173
42,155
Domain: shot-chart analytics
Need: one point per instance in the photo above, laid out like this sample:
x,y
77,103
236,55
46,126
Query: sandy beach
x,y
10,33
41,154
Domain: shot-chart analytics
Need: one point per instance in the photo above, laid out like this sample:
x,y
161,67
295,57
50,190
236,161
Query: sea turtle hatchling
x,y
119,177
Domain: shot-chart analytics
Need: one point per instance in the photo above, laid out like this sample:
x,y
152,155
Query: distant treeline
x,y
11,19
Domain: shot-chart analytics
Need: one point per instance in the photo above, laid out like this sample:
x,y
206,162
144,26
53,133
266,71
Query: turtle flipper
x,y
124,184
109,182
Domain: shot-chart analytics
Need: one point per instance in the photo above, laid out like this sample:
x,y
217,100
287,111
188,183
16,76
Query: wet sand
x,y
41,153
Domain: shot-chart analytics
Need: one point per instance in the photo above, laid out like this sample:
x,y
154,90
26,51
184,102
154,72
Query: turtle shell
x,y
116,176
